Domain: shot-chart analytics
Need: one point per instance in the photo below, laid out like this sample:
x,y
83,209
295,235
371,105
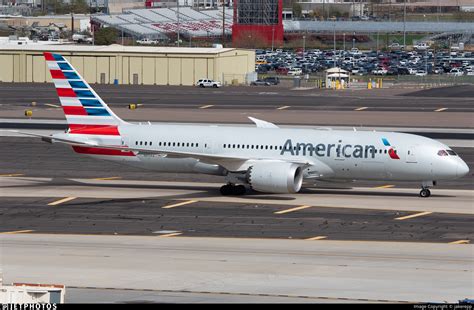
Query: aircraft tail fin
x,y
85,111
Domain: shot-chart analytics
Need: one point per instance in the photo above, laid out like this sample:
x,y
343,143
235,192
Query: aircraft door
x,y
411,154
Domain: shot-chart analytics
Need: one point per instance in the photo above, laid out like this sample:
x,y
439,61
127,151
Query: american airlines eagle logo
x,y
391,150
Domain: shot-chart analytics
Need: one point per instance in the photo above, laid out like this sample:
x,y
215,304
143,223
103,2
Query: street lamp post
x,y
273,37
304,45
404,24
177,6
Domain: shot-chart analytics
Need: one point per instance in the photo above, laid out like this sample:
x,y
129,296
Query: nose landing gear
x,y
425,192
233,190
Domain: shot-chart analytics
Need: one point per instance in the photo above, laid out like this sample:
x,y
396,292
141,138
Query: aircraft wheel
x,y
239,190
226,190
232,190
425,193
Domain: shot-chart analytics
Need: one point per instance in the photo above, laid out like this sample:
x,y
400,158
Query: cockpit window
x,y
442,153
451,152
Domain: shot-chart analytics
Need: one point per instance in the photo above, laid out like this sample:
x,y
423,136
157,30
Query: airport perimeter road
x,y
301,270
251,98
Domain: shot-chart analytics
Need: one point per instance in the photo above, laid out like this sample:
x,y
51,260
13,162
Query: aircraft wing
x,y
223,160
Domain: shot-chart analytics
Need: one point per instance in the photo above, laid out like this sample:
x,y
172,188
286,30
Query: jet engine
x,y
275,177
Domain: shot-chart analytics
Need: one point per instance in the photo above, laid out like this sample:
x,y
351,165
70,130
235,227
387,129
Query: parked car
x,y
456,72
421,46
421,73
208,83
147,41
273,80
396,46
282,71
380,71
295,71
260,83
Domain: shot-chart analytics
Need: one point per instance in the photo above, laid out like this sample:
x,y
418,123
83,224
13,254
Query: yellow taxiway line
x,y
385,186
206,106
180,204
413,215
441,110
170,235
11,175
460,242
361,109
316,238
60,201
16,232
292,209
52,105
107,179
283,107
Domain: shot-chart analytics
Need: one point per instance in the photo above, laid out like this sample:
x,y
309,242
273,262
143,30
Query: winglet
x,y
262,124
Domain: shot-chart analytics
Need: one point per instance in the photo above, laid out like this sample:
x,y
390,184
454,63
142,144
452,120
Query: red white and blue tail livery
x,y
86,113
265,158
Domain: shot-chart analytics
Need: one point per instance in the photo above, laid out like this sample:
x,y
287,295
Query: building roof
x,y
115,48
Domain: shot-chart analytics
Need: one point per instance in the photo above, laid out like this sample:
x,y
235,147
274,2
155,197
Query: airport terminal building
x,y
118,64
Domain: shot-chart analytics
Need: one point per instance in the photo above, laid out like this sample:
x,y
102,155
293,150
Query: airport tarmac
x,y
120,234
239,269
359,108
250,98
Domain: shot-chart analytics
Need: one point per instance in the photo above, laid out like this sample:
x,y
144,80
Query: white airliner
x,y
265,158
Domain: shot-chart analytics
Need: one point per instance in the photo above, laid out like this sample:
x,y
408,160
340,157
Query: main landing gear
x,y
233,190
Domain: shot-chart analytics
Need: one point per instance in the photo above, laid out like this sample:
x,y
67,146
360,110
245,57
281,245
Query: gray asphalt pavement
x,y
248,98
146,216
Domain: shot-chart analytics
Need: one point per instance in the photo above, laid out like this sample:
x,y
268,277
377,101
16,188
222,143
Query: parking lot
x,y
396,62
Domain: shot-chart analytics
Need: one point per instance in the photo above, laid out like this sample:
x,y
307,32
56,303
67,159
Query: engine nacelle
x,y
275,177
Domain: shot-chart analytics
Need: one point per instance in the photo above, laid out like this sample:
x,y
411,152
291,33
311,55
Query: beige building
x,y
130,65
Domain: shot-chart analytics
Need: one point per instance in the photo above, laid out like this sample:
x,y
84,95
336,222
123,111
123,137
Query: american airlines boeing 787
x,y
265,158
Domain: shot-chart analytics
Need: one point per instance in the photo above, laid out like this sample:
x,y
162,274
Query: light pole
x,y
304,45
334,37
177,6
404,24
273,37
344,41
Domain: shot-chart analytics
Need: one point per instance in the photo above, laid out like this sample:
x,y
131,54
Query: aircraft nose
x,y
462,169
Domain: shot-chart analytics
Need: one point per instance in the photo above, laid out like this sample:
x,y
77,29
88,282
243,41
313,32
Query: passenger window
x,y
151,143
141,142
